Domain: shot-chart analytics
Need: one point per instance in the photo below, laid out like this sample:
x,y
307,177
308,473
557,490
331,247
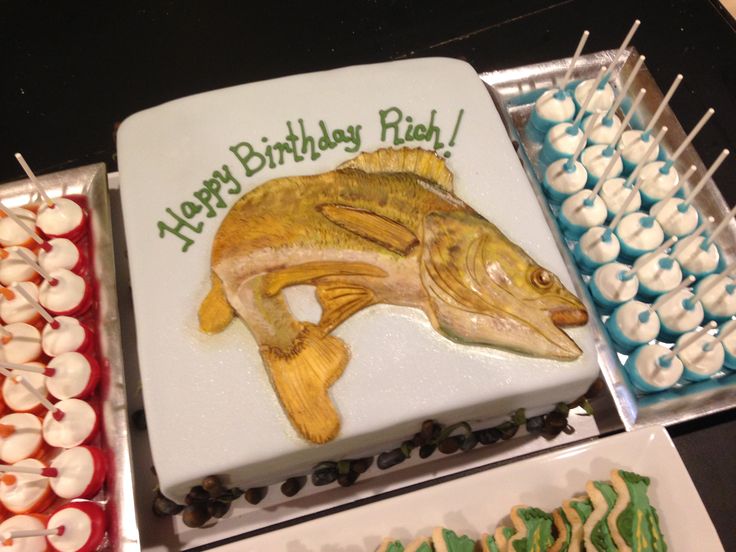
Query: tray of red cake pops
x,y
64,454
640,221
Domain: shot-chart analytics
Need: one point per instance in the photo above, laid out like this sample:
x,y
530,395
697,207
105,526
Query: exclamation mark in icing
x,y
451,143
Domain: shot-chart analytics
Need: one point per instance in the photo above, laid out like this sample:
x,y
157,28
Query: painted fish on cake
x,y
384,227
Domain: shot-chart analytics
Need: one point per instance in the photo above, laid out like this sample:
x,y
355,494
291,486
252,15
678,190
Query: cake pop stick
x,y
622,93
566,77
27,368
653,121
31,234
720,228
570,163
703,289
688,139
702,228
722,334
637,268
55,412
627,119
662,300
665,360
8,536
624,45
37,307
34,180
617,218
46,472
588,98
598,185
33,264
703,181
652,147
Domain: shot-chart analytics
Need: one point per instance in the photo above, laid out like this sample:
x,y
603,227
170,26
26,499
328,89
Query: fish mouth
x,y
563,317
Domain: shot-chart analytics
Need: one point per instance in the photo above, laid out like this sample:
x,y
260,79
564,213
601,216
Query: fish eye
x,y
541,278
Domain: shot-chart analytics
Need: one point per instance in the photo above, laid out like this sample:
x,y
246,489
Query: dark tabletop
x,y
72,71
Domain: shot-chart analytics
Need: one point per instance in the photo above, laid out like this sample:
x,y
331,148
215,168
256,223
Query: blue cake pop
x,y
612,285
678,312
653,368
658,273
676,216
632,325
702,355
728,340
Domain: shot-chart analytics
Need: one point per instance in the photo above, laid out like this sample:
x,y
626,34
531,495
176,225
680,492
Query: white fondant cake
x,y
208,397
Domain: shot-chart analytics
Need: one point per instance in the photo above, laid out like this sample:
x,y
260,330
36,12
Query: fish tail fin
x,y
302,377
215,312
423,163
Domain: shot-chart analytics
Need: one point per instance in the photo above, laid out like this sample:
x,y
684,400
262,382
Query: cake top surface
x,y
183,166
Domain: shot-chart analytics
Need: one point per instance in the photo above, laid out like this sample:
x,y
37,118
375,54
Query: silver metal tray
x,y
514,92
91,182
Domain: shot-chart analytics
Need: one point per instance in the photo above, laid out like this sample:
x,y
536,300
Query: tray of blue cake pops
x,y
639,220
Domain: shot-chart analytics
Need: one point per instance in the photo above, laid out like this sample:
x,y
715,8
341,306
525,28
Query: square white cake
x,y
210,406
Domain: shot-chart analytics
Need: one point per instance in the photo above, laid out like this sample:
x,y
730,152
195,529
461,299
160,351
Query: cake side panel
x,y
208,398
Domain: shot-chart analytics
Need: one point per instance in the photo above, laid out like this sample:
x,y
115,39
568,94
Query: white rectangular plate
x,y
477,503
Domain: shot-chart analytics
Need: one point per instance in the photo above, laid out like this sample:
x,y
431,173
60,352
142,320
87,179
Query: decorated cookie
x,y
422,544
64,219
563,529
20,437
84,527
63,254
533,529
633,522
23,345
445,540
75,376
80,472
390,545
23,493
577,510
596,535
67,294
68,335
23,523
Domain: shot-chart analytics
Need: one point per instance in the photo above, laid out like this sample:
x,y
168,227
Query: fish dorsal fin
x,y
374,227
423,163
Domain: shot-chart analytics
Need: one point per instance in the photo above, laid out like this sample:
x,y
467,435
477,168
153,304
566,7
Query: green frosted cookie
x,y
422,544
577,511
533,530
596,535
633,522
498,542
445,540
564,531
390,545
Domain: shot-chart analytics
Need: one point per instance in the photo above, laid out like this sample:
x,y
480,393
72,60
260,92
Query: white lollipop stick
x,y
625,205
667,297
624,44
681,184
34,180
713,168
695,235
663,104
702,290
589,97
37,267
689,340
8,536
721,226
22,224
46,472
693,133
566,78
651,257
58,414
625,87
35,304
602,180
27,368
570,163
723,334
627,117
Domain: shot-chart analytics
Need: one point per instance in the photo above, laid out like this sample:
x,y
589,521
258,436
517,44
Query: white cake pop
x,y
20,437
21,344
632,325
677,217
17,227
63,254
15,269
658,273
717,293
678,313
635,143
75,376
18,396
612,285
14,525
83,526
18,308
70,423
697,254
80,472
23,493
69,296
661,176
653,368
702,355
65,334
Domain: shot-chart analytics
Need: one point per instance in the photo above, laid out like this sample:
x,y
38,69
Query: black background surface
x,y
71,71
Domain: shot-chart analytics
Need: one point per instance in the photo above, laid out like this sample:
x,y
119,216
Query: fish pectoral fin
x,y
215,312
309,273
371,226
423,163
302,376
340,301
